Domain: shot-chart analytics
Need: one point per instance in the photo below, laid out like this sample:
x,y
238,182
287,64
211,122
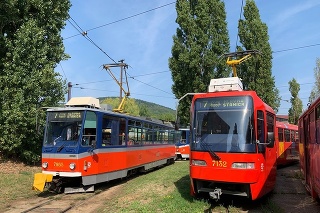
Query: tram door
x,y
271,151
306,148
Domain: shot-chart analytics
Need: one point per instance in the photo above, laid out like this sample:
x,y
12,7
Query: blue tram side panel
x,y
183,144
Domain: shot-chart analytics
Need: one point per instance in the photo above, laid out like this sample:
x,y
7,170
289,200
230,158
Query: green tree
x,y
200,40
296,103
315,92
143,111
31,46
167,117
256,73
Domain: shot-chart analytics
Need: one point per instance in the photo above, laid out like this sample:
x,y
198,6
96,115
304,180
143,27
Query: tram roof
x,y
72,106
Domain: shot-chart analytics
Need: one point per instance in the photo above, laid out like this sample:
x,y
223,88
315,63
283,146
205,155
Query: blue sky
x,y
144,41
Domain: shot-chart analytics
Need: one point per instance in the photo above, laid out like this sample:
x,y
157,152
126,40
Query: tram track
x,y
62,203
74,202
70,203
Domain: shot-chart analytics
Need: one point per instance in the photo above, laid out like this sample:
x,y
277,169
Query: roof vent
x,y
88,102
225,84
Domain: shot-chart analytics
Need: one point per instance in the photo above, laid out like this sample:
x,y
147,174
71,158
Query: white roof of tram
x,y
83,102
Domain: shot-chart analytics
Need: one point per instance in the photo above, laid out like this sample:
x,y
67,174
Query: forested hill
x,y
139,107
155,108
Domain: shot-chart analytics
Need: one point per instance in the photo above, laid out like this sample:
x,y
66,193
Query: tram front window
x,y
63,128
224,124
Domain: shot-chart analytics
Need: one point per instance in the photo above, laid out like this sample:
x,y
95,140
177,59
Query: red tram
x,y
84,145
233,147
309,148
287,140
183,145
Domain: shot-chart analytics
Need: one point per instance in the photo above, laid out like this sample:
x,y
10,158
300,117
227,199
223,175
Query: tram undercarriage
x,y
216,189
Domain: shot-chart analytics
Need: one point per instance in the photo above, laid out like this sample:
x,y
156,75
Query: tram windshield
x,y
223,124
63,128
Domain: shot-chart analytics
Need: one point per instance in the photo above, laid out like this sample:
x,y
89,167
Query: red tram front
x,y
233,148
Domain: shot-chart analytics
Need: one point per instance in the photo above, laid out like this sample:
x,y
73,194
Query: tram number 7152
x,y
219,163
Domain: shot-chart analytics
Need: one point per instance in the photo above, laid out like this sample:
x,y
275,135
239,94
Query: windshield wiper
x,y
205,146
61,147
54,141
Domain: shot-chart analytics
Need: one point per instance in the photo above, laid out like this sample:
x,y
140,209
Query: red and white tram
x,y
84,145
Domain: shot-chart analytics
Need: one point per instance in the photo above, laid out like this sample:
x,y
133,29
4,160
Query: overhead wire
x,y
92,82
138,14
63,71
296,48
85,35
77,87
238,27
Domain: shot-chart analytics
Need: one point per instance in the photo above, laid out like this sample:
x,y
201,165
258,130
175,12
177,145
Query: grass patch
x,y
16,185
163,190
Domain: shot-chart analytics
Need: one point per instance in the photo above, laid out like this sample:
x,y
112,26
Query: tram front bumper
x,y
40,180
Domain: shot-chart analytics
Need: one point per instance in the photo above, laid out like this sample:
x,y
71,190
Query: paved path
x,y
290,193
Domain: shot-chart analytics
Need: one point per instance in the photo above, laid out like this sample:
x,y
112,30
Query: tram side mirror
x,y
270,139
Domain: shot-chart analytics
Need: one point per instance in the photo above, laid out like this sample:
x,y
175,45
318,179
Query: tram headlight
x,y
72,166
45,165
242,166
198,163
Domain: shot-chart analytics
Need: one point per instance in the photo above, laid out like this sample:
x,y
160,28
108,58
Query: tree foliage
x,y
256,73
296,103
315,92
200,40
31,46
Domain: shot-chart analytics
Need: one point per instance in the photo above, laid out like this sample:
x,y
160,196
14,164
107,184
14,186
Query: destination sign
x,y
69,115
223,102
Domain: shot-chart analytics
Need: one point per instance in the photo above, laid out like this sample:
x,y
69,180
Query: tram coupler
x,y
215,194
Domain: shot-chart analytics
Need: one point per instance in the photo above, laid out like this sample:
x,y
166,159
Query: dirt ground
x,y
290,193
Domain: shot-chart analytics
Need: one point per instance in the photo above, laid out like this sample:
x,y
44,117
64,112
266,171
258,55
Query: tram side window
x,y
174,136
312,131
113,131
270,129
156,136
165,138
148,135
135,132
183,136
260,128
89,131
287,135
280,134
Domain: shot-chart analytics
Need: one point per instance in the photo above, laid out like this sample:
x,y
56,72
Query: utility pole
x,y
122,66
69,90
